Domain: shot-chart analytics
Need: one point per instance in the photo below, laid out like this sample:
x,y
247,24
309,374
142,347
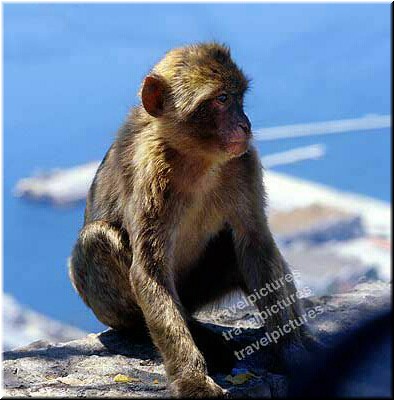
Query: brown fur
x,y
174,219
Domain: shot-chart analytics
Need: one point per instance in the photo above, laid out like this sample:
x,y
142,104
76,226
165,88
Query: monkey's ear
x,y
152,95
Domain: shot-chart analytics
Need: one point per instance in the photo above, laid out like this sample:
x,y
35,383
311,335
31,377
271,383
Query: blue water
x,y
71,71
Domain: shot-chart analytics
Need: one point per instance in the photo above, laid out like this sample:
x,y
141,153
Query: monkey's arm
x,y
267,276
262,266
151,277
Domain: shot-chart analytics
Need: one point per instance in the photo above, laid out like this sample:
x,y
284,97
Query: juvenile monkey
x,y
175,215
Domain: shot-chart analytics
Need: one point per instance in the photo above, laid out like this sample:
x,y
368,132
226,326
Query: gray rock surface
x,y
87,367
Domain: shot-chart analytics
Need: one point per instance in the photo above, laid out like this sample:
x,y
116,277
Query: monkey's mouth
x,y
237,147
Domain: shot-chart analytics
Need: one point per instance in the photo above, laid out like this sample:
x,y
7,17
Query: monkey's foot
x,y
197,386
283,357
312,343
302,350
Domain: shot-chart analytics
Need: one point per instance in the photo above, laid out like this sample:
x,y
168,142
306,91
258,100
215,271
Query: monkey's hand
x,y
197,386
312,342
295,352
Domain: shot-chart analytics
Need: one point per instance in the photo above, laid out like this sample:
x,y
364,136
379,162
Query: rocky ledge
x,y
110,365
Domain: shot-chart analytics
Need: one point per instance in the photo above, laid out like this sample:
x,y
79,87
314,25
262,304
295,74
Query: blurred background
x,y
319,104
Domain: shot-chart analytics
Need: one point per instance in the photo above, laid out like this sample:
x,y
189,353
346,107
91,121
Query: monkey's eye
x,y
222,98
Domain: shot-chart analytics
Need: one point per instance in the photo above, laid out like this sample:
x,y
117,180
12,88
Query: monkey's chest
x,y
193,233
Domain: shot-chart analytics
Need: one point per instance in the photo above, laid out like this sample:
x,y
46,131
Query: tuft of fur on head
x,y
195,73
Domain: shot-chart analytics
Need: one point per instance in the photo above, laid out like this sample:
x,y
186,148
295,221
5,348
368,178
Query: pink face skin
x,y
236,149
232,124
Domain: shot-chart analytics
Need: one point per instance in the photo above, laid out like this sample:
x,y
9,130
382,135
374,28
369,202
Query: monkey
x,y
175,216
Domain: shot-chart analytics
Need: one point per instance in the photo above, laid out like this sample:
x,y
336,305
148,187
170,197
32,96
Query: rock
x,y
315,224
87,367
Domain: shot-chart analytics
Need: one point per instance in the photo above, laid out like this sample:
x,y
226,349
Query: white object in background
x,y
23,326
312,152
60,186
368,122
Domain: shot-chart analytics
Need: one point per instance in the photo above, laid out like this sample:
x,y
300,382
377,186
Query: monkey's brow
x,y
235,93
238,93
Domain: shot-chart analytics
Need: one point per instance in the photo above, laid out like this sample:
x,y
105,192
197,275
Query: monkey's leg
x,y
99,269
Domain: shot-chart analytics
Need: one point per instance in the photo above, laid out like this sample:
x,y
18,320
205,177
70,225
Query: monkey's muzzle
x,y
237,147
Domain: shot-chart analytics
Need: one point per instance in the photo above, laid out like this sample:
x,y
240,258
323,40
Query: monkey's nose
x,y
245,127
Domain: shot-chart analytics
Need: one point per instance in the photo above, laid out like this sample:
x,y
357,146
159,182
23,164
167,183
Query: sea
x,y
72,71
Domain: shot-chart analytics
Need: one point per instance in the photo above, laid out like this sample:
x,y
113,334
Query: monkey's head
x,y
198,92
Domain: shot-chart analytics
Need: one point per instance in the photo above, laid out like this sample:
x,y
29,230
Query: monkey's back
x,y
104,200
